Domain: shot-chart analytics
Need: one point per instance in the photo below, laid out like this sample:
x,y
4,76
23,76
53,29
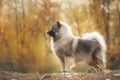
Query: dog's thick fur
x,y
90,48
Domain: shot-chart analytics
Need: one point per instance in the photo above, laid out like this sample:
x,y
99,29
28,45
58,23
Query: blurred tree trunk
x,y
0,7
106,15
16,19
23,10
118,12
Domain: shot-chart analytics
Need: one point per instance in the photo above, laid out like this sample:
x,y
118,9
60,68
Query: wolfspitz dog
x,y
90,48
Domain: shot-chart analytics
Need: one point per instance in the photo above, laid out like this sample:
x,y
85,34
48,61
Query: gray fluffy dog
x,y
90,48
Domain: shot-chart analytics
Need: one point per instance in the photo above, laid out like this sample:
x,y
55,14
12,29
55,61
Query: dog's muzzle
x,y
51,33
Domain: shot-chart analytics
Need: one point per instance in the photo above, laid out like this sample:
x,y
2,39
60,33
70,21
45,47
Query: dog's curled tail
x,y
97,36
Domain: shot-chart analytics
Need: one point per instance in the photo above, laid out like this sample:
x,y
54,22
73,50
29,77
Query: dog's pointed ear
x,y
58,24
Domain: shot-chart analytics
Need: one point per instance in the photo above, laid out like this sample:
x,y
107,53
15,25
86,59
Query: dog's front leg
x,y
63,64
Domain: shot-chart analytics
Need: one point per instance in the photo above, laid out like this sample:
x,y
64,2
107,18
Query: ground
x,y
111,75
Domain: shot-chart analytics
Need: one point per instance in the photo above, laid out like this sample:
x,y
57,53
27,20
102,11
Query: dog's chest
x,y
63,49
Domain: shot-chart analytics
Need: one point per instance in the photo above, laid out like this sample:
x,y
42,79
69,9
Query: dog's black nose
x,y
51,33
48,32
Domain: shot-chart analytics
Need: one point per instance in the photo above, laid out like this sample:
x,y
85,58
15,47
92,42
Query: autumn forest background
x,y
24,44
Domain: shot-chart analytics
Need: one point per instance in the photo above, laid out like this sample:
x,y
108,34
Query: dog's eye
x,y
56,29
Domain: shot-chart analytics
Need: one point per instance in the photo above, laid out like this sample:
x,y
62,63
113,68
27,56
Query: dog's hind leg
x,y
97,64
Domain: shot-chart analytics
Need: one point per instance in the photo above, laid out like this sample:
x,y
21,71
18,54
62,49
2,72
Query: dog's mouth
x,y
51,33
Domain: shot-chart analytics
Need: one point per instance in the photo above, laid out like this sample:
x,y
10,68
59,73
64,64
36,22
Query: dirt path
x,y
113,75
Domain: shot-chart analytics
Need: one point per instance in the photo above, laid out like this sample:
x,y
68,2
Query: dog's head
x,y
55,30
59,29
